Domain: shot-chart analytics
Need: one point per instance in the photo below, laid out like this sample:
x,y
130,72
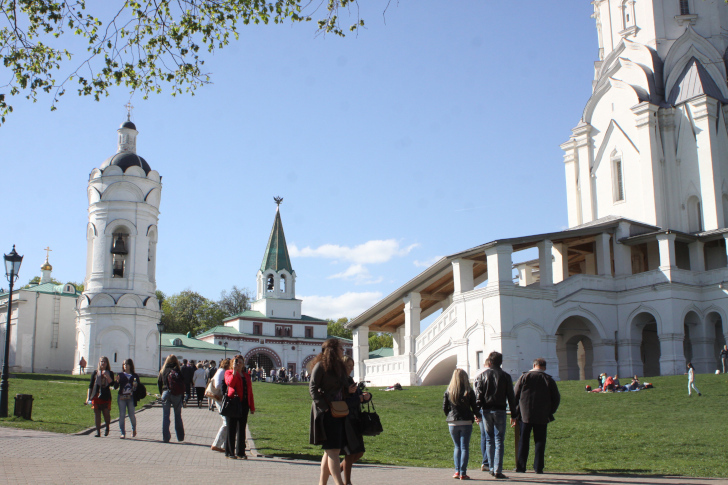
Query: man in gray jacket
x,y
537,399
493,391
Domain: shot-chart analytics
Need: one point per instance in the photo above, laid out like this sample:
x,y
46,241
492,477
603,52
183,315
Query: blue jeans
x,y
495,433
461,439
169,400
485,461
124,406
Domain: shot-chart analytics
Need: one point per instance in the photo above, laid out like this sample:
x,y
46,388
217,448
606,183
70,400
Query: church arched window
x,y
617,178
283,283
270,283
684,7
628,13
695,216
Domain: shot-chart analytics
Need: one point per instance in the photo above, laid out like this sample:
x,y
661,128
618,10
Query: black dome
x,y
128,124
124,160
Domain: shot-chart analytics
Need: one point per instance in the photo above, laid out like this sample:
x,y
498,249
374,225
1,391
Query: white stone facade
x,y
636,285
41,328
118,311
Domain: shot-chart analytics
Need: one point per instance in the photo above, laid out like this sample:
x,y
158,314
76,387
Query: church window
x,y
684,7
178,342
283,283
284,330
257,329
115,354
618,178
309,332
628,13
695,216
271,284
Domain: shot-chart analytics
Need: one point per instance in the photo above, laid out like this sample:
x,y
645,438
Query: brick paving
x,y
36,457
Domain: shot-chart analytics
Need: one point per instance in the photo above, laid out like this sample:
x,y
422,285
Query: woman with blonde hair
x,y
328,384
99,394
172,387
460,408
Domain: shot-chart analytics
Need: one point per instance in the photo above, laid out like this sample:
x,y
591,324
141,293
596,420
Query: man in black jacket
x,y
187,372
493,390
537,399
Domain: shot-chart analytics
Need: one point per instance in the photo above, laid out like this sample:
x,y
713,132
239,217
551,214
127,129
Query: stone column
x,y
561,262
411,322
697,256
462,273
500,264
630,360
666,243
360,335
705,111
545,264
551,356
583,149
622,252
397,343
603,255
650,176
603,358
572,183
672,358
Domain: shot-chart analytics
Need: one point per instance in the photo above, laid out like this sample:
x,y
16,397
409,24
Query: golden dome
x,y
46,266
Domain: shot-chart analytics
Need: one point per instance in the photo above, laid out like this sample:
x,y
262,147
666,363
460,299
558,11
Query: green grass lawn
x,y
58,402
659,431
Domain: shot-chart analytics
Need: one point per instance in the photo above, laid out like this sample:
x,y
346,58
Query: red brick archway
x,y
265,351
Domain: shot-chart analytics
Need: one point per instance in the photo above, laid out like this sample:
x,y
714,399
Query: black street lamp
x,y
160,329
225,344
12,267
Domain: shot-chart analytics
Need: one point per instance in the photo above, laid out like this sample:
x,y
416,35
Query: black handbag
x,y
369,420
231,406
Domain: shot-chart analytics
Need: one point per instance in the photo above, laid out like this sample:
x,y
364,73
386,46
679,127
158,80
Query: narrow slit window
x,y
684,7
618,180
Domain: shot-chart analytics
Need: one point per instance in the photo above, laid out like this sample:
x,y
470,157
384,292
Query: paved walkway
x,y
35,457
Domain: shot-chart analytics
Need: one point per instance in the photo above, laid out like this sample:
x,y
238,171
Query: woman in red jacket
x,y
239,384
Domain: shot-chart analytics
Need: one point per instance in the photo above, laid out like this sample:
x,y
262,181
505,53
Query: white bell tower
x,y
276,288
118,310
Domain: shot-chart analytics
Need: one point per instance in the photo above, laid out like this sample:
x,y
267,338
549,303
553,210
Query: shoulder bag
x,y
230,407
213,392
339,409
369,420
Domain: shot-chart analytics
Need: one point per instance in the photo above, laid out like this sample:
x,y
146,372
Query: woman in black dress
x,y
328,384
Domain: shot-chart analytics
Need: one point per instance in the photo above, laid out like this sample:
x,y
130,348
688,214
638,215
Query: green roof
x,y
48,288
260,316
220,329
276,253
381,352
189,343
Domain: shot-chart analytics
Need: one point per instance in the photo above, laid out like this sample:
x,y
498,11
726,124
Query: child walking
x,y
691,380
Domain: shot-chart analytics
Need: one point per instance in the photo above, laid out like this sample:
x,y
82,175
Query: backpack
x,y
140,392
175,382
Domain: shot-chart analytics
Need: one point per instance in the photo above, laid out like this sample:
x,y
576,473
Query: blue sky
x,y
424,135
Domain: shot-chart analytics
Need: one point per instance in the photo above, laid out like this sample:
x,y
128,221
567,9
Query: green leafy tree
x,y
36,281
335,328
79,286
188,311
378,340
139,44
237,301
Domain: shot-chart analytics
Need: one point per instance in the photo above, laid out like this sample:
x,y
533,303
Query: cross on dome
x,y
129,108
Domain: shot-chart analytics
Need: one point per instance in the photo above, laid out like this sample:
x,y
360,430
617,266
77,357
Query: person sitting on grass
x,y
608,384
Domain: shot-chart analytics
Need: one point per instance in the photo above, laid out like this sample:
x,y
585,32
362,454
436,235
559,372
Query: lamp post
x,y
160,329
225,344
12,267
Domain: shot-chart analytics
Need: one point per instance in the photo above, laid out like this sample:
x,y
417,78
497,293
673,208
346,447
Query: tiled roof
x,y
48,289
189,343
276,253
260,316
382,352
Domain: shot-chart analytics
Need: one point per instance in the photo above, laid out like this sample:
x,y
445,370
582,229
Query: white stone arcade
x,y
635,285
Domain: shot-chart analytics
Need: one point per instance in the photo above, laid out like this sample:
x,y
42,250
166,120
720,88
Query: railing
x,y
441,323
387,365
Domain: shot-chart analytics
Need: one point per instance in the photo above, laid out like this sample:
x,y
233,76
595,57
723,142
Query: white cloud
x,y
428,262
348,305
370,252
359,274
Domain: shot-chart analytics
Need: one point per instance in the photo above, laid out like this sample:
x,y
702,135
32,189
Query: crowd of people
x,y
532,402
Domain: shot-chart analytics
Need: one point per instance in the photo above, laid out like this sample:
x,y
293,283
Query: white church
x,y
637,284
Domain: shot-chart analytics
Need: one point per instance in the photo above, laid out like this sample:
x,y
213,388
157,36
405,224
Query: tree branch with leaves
x,y
142,44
